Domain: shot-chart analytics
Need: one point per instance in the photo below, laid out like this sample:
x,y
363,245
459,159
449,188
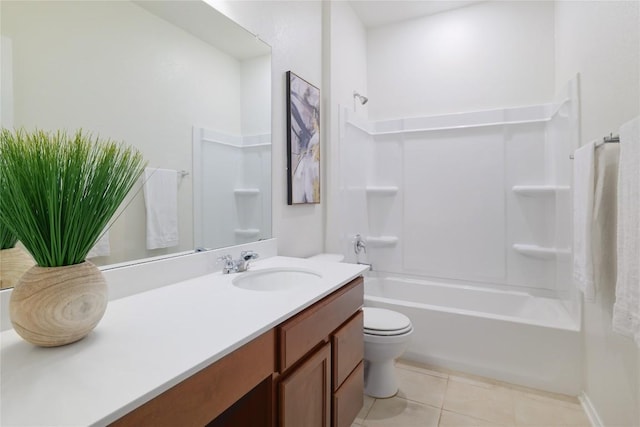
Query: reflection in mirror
x,y
176,79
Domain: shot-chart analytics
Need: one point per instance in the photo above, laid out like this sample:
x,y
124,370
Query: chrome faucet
x,y
238,265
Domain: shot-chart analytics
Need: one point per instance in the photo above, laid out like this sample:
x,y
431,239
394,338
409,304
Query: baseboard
x,y
590,410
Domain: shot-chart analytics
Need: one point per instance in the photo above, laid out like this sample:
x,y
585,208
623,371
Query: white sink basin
x,y
276,279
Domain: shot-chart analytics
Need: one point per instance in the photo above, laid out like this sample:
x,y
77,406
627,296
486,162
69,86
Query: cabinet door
x,y
305,394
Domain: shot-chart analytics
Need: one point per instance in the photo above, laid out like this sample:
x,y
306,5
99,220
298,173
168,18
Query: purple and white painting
x,y
303,141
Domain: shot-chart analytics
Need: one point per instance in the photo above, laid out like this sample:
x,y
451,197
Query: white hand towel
x,y
604,217
626,310
102,247
161,201
583,194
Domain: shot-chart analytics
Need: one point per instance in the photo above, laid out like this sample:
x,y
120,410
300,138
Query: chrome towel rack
x,y
605,140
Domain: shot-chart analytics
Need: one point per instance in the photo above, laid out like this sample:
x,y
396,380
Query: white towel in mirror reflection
x,y
161,202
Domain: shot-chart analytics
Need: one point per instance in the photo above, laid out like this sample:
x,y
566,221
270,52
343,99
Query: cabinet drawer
x,y
349,398
348,348
306,330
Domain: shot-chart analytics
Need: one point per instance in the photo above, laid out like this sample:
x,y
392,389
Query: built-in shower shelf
x,y
246,232
381,241
538,190
381,190
540,252
246,191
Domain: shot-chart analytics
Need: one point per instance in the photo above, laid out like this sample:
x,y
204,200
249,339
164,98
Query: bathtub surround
x,y
475,199
231,187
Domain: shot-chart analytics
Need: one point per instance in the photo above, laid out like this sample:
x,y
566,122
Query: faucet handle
x,y
224,258
359,244
247,255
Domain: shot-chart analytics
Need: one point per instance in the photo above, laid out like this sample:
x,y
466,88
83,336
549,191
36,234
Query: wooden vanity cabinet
x,y
242,378
320,361
306,372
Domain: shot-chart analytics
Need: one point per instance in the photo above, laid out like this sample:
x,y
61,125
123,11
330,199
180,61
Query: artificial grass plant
x,y
7,239
59,191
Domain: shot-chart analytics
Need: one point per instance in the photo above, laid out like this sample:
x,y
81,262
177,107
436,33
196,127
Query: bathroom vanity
x,y
307,371
203,352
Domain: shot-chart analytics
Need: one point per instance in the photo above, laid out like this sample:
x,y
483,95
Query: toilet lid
x,y
380,321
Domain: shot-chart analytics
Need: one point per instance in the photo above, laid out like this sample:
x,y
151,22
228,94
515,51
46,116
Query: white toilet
x,y
386,336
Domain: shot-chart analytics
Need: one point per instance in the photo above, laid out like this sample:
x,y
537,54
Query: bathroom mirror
x,y
177,79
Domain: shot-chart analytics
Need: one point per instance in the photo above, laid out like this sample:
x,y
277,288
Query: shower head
x,y
363,99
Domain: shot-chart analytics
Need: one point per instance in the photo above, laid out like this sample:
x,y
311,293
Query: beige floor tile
x,y
398,412
418,367
420,387
536,410
480,400
451,419
366,407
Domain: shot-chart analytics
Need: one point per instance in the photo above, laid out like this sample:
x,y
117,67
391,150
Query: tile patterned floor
x,y
431,398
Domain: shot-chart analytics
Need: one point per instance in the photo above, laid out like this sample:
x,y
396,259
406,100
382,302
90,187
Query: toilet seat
x,y
383,322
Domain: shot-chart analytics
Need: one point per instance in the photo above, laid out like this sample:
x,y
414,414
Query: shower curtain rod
x,y
605,140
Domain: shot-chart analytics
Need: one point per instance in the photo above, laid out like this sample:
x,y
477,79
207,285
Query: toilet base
x,y
380,379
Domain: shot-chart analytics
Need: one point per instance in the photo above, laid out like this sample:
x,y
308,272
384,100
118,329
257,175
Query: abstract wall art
x,y
303,141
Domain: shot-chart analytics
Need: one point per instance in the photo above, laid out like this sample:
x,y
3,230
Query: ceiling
x,y
211,26
374,13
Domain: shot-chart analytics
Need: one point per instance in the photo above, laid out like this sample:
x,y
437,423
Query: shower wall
x,y
478,198
488,55
232,188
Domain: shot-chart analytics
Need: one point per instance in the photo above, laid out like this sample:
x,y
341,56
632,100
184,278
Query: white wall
x,y
65,81
601,41
488,55
256,95
346,60
294,31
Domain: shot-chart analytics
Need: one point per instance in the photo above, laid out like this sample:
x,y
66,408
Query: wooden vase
x,y
13,263
54,306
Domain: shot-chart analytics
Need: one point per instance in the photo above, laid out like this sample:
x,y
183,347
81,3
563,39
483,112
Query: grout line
x,y
369,410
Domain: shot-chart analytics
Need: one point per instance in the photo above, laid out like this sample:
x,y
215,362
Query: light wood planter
x,y
13,263
54,306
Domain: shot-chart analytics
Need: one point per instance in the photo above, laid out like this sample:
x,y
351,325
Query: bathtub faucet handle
x,y
359,245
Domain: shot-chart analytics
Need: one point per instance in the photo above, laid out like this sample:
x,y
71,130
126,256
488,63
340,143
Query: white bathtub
x,y
509,336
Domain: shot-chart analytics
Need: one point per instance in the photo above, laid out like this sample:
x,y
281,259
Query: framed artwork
x,y
303,141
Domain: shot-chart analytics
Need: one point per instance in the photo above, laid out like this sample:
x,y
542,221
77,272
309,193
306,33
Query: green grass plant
x,y
59,191
7,239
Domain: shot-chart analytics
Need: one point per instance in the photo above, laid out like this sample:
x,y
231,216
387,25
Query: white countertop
x,y
147,343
